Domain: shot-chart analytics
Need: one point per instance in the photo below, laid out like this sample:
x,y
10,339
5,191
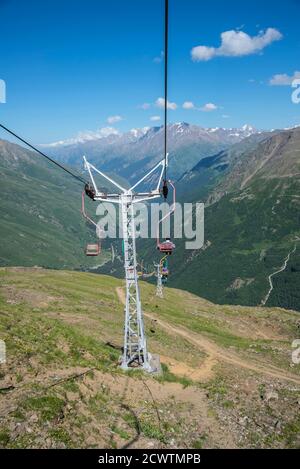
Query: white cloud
x,y
209,107
202,53
225,116
114,119
188,105
206,108
284,79
85,136
237,44
155,118
145,106
160,102
160,58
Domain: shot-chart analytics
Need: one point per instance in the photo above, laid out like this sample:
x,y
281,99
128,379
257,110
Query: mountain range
x,y
132,153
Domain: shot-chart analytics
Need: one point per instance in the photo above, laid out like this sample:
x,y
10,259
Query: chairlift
x,y
91,249
166,247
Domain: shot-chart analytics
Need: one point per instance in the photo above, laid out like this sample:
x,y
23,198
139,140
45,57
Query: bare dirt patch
x,y
36,299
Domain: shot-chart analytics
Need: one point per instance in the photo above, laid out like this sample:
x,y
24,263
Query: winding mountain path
x,y
270,278
215,353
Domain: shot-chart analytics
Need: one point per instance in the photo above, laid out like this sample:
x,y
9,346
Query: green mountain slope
x,y
204,177
40,207
228,379
251,226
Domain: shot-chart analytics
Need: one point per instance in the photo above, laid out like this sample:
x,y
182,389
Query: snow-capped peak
x,y
247,127
248,130
136,133
292,128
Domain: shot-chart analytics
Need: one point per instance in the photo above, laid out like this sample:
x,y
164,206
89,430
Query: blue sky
x,y
70,65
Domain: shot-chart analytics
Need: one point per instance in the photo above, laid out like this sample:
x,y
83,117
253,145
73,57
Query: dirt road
x,y
215,353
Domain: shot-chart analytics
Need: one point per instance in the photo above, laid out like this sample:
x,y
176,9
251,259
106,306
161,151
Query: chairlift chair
x,y
91,249
166,247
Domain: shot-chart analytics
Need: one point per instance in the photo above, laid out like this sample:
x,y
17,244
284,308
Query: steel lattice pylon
x,y
159,285
135,353
135,346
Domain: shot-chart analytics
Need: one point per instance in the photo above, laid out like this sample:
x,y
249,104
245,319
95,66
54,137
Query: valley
x,y
250,190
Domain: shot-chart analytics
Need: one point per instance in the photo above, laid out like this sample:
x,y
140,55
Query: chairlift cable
x,y
166,53
79,178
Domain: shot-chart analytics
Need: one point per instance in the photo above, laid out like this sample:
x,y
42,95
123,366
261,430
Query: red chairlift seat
x,y
92,250
166,247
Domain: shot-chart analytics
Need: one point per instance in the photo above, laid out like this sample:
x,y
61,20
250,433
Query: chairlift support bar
x,y
84,212
172,210
163,164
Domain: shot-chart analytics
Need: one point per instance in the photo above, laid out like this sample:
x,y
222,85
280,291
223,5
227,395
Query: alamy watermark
x,y
2,92
296,93
184,221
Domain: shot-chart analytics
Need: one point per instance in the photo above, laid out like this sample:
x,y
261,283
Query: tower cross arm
x,y
136,196
89,168
163,163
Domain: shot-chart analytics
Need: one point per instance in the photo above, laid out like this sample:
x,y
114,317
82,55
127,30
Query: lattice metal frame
x,y
135,352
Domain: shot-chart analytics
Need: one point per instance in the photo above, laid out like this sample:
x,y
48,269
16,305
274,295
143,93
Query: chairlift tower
x,y
159,285
135,352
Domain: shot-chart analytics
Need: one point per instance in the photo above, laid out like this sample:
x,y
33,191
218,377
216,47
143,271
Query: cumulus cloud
x,y
160,102
284,79
209,107
188,105
237,44
114,119
155,118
